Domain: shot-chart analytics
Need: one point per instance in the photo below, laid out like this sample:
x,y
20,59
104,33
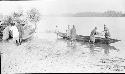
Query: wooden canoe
x,y
81,38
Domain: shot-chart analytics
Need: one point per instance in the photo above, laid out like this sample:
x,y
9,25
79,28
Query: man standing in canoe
x,y
68,31
57,31
15,33
92,35
106,31
73,34
106,34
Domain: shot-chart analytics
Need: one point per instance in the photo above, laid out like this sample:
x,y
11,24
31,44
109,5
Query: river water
x,y
84,25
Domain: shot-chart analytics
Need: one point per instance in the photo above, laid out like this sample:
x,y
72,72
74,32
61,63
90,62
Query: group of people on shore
x,y
15,30
71,33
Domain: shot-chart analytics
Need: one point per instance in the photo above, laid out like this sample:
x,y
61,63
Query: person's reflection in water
x,y
92,47
71,44
72,48
68,43
74,45
106,49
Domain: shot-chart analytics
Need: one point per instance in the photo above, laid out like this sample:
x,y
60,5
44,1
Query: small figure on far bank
x,y
106,31
57,31
15,33
92,35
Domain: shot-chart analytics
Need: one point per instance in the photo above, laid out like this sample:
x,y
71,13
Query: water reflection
x,y
105,47
71,44
94,48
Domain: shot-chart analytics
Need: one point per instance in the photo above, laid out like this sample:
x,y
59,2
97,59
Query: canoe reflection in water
x,y
94,48
105,47
71,43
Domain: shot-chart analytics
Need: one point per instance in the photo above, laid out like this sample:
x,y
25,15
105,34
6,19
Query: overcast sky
x,y
64,6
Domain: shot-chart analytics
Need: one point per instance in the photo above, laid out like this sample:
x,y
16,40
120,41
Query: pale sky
x,y
64,6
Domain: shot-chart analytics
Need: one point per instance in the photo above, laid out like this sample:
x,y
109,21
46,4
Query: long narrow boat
x,y
81,38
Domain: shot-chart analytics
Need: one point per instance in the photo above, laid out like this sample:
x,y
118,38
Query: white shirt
x,y
15,31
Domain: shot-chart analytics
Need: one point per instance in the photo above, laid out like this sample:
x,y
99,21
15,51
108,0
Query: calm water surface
x,y
84,25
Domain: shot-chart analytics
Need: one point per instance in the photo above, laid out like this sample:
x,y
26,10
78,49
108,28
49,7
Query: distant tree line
x,y
97,14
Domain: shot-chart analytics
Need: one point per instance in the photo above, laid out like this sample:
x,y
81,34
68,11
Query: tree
x,y
33,15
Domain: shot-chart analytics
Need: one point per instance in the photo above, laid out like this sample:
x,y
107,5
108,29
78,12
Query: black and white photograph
x,y
62,36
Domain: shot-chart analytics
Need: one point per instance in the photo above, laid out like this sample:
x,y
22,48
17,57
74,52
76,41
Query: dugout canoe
x,y
81,38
